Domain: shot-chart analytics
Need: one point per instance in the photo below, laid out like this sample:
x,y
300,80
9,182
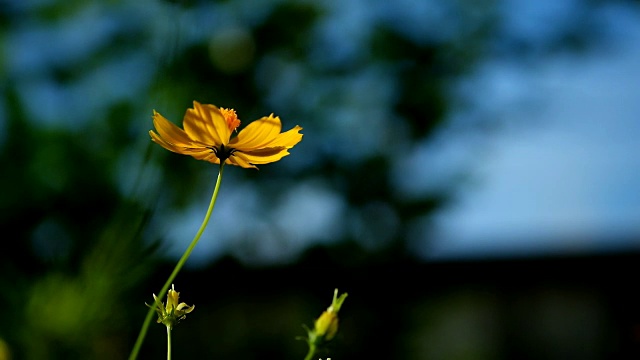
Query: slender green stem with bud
x,y
176,270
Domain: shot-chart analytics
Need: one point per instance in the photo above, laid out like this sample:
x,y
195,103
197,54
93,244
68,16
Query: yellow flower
x,y
207,136
171,313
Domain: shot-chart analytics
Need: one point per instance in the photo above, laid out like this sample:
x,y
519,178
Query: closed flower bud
x,y
326,325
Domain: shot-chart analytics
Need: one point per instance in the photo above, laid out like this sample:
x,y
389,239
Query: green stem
x,y
312,351
168,343
183,259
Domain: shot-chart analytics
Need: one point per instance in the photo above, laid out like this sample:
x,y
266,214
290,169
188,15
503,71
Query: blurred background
x,y
468,174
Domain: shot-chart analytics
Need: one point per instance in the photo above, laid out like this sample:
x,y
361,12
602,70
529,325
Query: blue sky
x,y
562,175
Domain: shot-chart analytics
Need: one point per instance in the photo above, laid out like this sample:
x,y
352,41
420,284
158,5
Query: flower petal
x,y
206,155
262,156
159,140
169,132
206,124
176,140
287,139
238,161
187,308
180,149
257,134
185,149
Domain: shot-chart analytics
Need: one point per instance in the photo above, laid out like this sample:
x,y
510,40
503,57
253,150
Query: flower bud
x,y
326,325
171,313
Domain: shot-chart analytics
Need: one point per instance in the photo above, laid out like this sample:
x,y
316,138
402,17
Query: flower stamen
x,y
232,118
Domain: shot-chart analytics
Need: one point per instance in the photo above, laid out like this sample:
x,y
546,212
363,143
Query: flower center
x,y
222,152
232,118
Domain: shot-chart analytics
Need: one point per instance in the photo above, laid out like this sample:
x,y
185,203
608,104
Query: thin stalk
x,y
168,343
176,270
312,351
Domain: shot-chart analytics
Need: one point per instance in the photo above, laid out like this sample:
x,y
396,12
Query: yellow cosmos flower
x,y
207,135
